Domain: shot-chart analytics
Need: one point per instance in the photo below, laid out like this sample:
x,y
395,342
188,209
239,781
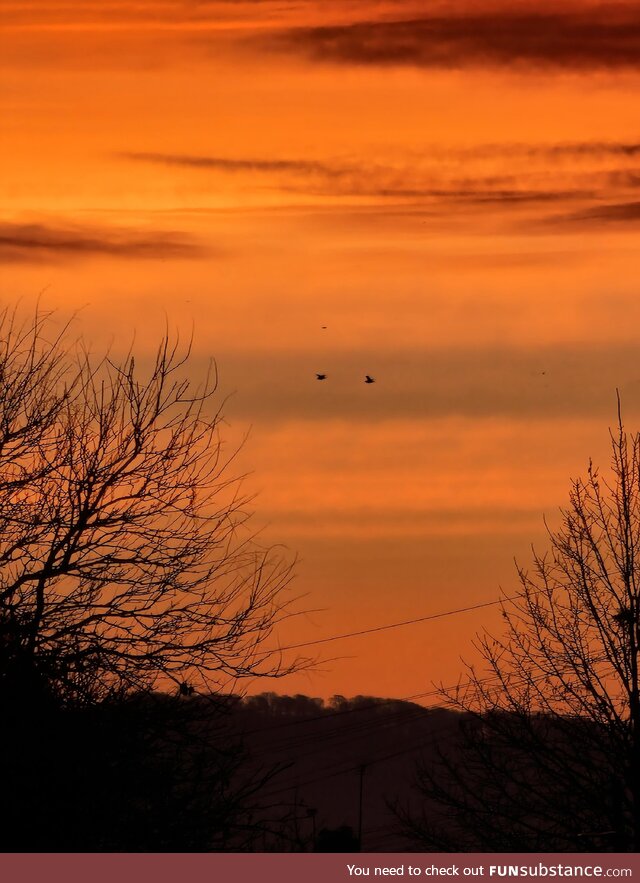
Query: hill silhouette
x,y
154,772
322,751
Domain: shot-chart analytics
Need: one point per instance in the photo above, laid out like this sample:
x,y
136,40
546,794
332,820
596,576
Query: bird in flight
x,y
321,376
368,379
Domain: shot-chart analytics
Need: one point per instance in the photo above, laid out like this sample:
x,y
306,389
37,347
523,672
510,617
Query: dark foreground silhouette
x,y
189,773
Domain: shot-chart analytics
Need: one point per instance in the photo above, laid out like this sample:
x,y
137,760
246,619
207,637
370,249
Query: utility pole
x,y
311,813
362,768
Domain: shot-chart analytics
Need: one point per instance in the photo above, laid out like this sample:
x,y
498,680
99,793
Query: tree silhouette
x,y
125,569
548,751
122,564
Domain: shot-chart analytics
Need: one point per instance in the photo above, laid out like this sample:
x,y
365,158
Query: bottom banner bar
x,y
310,867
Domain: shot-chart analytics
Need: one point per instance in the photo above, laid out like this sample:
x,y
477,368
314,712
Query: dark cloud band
x,y
42,242
553,382
426,179
230,164
602,36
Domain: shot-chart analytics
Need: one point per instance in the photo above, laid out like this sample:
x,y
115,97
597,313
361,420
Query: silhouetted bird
x,y
321,376
368,379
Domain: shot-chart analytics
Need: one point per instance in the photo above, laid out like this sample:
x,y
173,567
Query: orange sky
x,y
452,192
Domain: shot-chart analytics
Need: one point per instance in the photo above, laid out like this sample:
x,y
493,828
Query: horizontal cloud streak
x,y
411,181
42,242
512,196
587,184
601,215
336,167
601,36
230,164
591,148
550,383
459,33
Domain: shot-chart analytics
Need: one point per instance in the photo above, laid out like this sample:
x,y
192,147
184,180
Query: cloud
x,y
470,195
605,36
42,242
230,164
599,215
563,185
412,181
359,521
551,382
593,149
443,33
578,150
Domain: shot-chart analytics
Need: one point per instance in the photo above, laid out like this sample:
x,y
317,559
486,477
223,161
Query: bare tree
x,y
548,751
124,562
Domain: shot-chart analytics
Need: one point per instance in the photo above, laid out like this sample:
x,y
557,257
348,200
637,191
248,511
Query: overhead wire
x,y
396,625
423,744
377,703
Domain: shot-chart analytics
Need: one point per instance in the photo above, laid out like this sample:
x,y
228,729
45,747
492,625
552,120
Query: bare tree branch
x,y
125,559
549,744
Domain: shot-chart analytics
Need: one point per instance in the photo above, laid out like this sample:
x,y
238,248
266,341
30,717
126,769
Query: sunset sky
x,y
451,187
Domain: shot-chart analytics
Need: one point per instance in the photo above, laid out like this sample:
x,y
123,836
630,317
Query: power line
x,y
291,742
340,712
341,735
365,706
327,773
376,703
395,625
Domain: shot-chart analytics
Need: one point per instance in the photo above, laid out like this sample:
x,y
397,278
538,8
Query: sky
x,y
442,195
